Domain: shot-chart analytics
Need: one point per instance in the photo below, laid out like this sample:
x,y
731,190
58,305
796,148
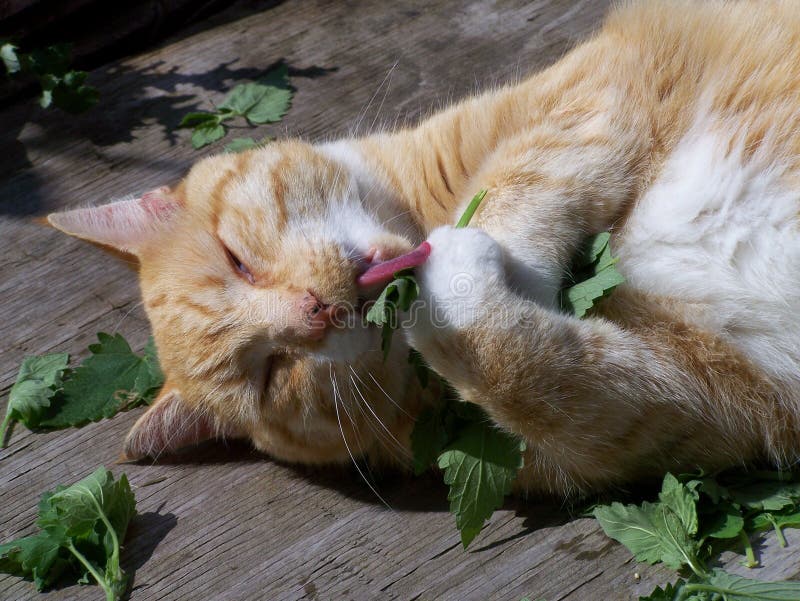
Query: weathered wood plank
x,y
229,524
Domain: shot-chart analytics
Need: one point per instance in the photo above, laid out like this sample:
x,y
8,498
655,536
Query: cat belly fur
x,y
718,230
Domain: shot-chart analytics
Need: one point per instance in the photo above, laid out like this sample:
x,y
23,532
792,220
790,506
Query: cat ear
x,y
168,425
125,225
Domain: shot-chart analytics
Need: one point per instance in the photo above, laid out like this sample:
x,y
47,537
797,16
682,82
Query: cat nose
x,y
315,314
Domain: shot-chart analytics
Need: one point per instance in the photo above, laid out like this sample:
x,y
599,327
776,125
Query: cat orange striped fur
x,y
677,126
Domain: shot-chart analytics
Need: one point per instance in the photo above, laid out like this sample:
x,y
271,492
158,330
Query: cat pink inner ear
x,y
170,424
125,225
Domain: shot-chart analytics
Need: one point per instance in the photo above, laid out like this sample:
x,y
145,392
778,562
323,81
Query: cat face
x,y
248,274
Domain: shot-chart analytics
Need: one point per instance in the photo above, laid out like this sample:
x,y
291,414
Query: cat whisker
x,y
365,110
336,398
386,394
366,403
388,80
378,436
127,314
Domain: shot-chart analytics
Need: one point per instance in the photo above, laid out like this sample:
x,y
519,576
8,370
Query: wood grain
x,y
227,523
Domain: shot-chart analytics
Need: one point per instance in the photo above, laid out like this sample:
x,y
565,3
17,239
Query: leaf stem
x,y
695,567
751,561
5,430
470,210
93,571
114,561
778,530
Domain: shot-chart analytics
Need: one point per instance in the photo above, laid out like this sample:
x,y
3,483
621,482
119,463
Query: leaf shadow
x,y
132,99
145,533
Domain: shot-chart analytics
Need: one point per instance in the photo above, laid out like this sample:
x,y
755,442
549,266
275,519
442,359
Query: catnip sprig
x,y
401,292
82,527
49,395
61,86
691,511
257,103
480,461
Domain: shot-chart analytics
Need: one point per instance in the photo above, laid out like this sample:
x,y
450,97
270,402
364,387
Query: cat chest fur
x,y
718,228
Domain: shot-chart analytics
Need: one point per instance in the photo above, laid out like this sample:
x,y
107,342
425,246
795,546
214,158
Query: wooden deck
x,y
225,523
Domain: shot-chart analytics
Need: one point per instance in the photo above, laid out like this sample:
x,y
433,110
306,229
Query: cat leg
x,y
596,402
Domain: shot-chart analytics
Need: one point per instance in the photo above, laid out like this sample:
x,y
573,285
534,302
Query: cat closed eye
x,y
239,266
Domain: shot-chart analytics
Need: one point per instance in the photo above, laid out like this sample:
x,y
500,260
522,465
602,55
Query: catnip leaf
x,y
242,144
595,275
195,119
71,94
397,296
681,500
668,593
8,54
75,510
480,466
276,100
593,249
473,205
40,557
49,61
111,379
421,368
206,133
726,522
768,495
82,527
775,520
428,438
30,395
261,102
154,369
656,532
735,588
582,296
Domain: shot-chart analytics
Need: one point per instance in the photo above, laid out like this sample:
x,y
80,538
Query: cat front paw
x,y
462,280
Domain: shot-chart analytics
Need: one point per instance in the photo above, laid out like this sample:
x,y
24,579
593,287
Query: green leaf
x,y
668,593
421,368
681,500
480,466
775,520
428,438
466,217
656,532
769,495
111,379
40,557
207,133
154,369
82,528
8,54
78,508
49,61
30,395
261,102
242,144
195,119
594,248
736,588
596,276
726,522
397,296
72,95
95,505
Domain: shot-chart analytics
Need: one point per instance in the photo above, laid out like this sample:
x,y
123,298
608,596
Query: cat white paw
x,y
461,280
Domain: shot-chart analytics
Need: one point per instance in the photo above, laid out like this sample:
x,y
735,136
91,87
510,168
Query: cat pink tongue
x,y
383,273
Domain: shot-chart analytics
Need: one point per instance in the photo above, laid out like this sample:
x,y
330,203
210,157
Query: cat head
x,y
248,275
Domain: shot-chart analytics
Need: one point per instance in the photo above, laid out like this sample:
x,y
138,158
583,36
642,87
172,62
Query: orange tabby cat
x,y
677,126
